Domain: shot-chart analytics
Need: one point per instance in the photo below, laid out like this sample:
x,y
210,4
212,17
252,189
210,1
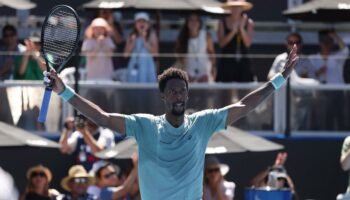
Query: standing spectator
x,y
85,141
98,46
345,165
235,37
142,45
197,43
298,76
10,45
30,66
215,185
116,33
76,183
328,66
39,178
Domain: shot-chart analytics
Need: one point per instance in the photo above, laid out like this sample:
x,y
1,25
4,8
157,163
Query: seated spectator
x,y
10,45
276,176
98,46
215,185
107,182
76,183
85,141
39,178
30,66
141,46
197,43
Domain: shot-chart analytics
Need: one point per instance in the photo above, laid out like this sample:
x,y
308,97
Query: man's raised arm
x,y
253,99
113,121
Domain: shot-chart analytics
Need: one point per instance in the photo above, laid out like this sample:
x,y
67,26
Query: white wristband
x,y
277,81
67,93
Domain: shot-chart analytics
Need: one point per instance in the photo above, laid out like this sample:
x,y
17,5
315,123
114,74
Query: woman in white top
x,y
98,47
215,185
197,43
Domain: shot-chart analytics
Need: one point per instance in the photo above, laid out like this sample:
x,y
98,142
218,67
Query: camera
x,y
80,121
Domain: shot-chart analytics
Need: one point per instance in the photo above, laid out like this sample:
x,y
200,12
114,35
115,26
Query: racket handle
x,y
45,105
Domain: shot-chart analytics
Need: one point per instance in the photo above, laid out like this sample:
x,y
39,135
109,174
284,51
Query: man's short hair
x,y
8,27
323,36
297,35
171,73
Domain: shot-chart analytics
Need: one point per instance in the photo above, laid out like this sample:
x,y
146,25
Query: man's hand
x,y
57,83
291,62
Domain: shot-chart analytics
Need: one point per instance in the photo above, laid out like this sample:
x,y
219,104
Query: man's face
x,y
78,186
109,177
175,97
10,37
293,40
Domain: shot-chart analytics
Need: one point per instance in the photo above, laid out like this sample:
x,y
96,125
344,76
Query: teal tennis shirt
x,y
171,159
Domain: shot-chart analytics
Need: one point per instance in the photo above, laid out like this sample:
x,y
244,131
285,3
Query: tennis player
x,y
172,146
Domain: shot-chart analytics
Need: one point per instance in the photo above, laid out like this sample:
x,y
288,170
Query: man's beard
x,y
178,113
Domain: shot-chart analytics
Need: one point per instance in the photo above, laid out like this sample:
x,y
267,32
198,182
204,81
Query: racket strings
x,y
60,35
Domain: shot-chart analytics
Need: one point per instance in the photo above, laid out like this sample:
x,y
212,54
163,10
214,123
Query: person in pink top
x,y
98,47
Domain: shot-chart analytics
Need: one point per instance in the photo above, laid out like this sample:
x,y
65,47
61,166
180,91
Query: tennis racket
x,y
59,40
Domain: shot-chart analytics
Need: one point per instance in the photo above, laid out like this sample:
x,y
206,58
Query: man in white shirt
x,y
297,77
328,67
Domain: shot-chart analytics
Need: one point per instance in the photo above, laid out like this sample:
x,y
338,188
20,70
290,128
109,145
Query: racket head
x,y
60,36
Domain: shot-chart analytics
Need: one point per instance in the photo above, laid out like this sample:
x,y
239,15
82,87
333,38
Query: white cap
x,y
141,15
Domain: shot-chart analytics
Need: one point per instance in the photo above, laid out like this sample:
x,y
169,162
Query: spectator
x,y
108,184
345,165
10,45
328,69
116,34
39,178
197,43
215,185
7,186
30,66
298,76
87,140
76,183
98,47
141,45
275,176
235,37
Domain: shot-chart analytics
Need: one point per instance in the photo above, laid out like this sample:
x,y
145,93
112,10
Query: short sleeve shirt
x,y
171,159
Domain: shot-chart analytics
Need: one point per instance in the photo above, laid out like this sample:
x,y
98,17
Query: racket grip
x,y
45,105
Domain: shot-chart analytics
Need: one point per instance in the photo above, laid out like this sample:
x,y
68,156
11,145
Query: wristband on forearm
x,y
277,81
67,93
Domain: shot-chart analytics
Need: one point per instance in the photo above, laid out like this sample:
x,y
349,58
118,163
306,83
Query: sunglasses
x,y
36,174
109,175
293,42
216,170
80,180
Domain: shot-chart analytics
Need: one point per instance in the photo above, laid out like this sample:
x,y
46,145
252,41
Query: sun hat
x,y
237,3
211,161
76,171
141,15
40,168
100,22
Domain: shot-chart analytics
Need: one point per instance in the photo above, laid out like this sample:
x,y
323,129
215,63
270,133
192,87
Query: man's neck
x,y
175,121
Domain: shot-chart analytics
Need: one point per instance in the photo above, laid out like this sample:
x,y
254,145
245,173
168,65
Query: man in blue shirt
x,y
172,146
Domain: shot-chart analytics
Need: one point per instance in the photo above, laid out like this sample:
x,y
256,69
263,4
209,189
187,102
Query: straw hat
x,y
211,161
100,22
76,171
40,168
237,3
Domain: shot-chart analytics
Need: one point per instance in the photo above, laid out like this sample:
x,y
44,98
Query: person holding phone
x,y
83,138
